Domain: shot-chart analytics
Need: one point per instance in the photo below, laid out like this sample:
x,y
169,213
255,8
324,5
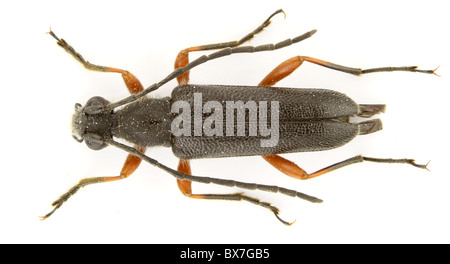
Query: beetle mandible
x,y
212,120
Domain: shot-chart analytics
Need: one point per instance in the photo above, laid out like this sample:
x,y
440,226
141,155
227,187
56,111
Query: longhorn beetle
x,y
211,121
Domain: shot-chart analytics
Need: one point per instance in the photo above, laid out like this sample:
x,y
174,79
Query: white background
x,y
363,203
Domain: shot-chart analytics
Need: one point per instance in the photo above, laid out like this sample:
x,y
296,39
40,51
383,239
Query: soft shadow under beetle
x,y
212,121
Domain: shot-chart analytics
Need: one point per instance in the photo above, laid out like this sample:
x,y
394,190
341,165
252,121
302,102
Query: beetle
x,y
212,120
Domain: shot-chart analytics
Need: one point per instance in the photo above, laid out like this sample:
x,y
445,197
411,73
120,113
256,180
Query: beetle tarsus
x,y
434,71
277,12
56,205
283,221
422,166
403,161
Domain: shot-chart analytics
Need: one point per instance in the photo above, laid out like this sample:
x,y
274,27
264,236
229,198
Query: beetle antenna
x,y
223,182
215,55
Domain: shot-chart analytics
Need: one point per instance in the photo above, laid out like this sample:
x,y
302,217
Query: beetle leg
x,y
290,65
291,169
133,84
131,164
281,71
186,188
183,56
358,71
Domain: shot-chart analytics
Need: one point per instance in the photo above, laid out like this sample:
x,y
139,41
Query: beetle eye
x,y
94,142
97,100
95,145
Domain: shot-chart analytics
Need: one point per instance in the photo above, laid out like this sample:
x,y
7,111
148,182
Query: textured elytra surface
x,y
309,120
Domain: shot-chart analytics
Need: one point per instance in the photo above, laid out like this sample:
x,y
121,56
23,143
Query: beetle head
x,y
92,128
